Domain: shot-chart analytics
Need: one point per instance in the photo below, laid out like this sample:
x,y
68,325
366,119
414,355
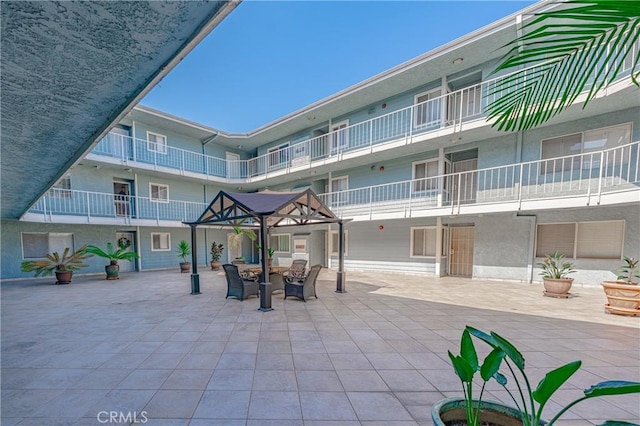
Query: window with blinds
x,y
423,242
36,245
581,240
160,241
280,242
159,193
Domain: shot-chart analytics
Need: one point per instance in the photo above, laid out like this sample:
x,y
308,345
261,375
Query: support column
x,y
439,243
195,278
341,279
265,285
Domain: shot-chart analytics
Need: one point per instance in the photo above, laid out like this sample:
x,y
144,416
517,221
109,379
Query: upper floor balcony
x,y
604,177
436,116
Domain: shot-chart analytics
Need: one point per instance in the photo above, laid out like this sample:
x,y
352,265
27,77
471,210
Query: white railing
x,y
89,205
588,175
445,111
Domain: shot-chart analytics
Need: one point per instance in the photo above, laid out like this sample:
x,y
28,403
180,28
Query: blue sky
x,y
270,58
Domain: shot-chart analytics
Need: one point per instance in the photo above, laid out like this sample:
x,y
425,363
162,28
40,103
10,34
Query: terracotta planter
x,y
215,265
452,410
112,270
623,298
185,267
557,287
63,277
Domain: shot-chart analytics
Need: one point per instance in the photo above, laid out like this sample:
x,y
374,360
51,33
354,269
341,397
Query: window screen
x,y
600,240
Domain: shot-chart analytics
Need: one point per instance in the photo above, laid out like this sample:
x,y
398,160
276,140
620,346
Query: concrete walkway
x,y
144,348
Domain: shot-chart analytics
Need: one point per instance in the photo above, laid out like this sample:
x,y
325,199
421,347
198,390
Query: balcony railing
x,y
588,175
90,205
445,111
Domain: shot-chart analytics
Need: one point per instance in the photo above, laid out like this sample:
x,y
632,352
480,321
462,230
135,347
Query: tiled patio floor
x,y
376,355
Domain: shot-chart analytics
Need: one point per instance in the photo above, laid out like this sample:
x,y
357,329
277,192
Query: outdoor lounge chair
x,y
277,281
238,286
297,271
307,288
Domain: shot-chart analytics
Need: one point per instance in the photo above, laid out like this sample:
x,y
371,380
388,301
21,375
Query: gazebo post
x,y
265,285
195,278
340,283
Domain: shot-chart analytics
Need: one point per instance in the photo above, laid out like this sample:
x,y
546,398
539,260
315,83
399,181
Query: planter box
x,y
624,299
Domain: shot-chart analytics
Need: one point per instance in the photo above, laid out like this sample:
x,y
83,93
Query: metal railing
x,y
588,175
585,175
89,205
448,110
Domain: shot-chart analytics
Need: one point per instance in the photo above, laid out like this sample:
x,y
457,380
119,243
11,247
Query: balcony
x,y
405,126
70,206
596,178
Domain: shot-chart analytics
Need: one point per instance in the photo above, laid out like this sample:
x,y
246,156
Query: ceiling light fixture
x,y
457,61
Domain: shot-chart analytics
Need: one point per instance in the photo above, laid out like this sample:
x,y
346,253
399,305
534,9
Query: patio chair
x,y
297,271
238,286
307,288
277,281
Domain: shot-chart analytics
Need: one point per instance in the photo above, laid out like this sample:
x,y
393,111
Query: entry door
x,y
300,248
233,165
128,238
122,198
461,251
464,185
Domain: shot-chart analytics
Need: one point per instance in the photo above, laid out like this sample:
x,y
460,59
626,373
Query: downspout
x,y
204,188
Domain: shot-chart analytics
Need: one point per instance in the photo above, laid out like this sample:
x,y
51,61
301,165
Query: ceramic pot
x,y
112,270
452,410
557,287
63,277
623,298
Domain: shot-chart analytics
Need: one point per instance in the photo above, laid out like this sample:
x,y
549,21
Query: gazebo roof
x,y
279,208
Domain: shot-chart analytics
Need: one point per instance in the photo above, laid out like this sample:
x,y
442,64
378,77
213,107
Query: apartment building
x,y
431,188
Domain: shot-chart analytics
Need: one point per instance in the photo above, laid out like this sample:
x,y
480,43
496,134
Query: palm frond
x,y
568,52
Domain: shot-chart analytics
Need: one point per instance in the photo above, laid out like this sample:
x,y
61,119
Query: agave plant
x,y
57,262
111,254
183,250
564,50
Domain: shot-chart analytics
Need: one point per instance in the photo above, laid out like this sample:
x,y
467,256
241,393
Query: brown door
x,y
461,251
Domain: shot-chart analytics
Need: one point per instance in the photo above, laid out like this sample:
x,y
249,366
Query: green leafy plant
x,y
238,235
564,49
57,262
216,251
555,267
270,251
529,402
629,271
184,250
111,254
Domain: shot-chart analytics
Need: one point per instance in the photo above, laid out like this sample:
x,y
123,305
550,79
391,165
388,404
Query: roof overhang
x,y
71,70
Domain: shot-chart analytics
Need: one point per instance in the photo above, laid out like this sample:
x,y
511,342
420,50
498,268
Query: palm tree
x,y
239,234
563,51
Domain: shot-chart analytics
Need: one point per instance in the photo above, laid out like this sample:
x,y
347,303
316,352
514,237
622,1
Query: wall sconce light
x,y
458,61
381,227
383,106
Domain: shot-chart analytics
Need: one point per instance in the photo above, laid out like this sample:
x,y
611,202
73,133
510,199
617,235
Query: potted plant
x,y
270,253
216,254
236,240
529,403
184,250
554,275
63,265
624,295
113,269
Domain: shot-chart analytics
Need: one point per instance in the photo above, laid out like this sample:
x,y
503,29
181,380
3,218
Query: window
x,y
279,243
422,171
156,143
278,156
428,113
335,242
159,193
160,242
339,188
582,240
35,245
339,136
583,143
423,241
62,189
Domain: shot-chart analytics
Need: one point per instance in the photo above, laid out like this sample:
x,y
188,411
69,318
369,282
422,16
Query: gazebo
x,y
264,211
